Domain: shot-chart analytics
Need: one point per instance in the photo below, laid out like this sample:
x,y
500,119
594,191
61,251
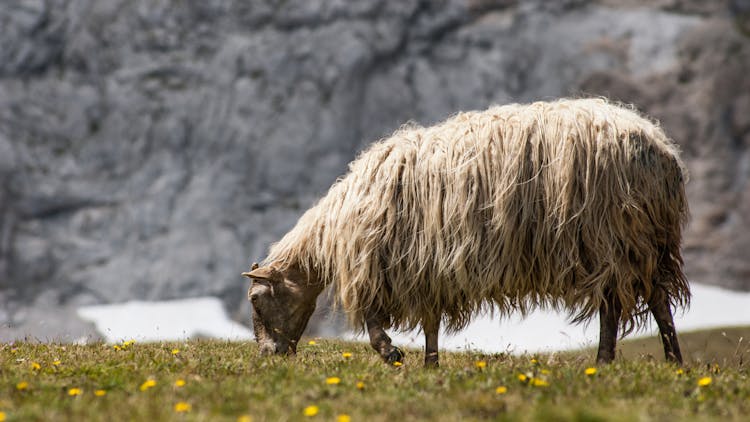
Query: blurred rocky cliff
x,y
152,149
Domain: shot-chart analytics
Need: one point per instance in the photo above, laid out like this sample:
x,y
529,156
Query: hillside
x,y
151,150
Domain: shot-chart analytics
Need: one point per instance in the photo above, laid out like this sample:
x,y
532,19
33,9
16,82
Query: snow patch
x,y
164,321
547,330
541,331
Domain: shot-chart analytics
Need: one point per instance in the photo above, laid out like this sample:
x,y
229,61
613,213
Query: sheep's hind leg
x,y
663,315
431,330
380,341
609,317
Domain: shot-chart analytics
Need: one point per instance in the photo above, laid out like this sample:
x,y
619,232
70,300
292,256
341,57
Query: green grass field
x,y
214,380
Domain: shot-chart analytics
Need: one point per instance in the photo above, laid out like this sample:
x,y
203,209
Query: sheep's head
x,y
283,301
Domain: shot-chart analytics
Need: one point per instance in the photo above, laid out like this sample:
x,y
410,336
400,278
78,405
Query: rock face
x,y
153,149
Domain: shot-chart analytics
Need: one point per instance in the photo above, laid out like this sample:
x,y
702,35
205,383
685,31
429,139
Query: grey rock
x,y
153,150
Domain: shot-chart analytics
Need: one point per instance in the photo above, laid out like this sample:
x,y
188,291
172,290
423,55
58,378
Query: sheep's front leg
x,y
431,330
380,341
609,318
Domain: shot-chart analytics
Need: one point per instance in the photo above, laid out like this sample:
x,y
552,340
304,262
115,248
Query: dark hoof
x,y
395,355
604,358
674,358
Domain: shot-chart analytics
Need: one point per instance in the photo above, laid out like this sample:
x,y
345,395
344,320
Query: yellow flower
x,y
545,371
397,364
14,351
346,355
179,383
590,371
311,343
310,411
182,407
36,366
480,364
333,380
56,363
23,385
537,382
175,351
116,347
522,377
679,371
2,416
705,381
244,418
534,361
100,393
360,385
343,418
501,390
128,343
74,392
147,384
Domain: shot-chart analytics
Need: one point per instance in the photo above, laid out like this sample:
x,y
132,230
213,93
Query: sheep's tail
x,y
670,280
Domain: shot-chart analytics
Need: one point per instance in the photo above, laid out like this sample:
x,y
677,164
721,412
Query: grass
x,y
215,380
729,346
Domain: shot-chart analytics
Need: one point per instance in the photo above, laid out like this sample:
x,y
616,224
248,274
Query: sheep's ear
x,y
264,273
252,268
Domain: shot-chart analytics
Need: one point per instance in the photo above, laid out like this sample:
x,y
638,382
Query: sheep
x,y
576,204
